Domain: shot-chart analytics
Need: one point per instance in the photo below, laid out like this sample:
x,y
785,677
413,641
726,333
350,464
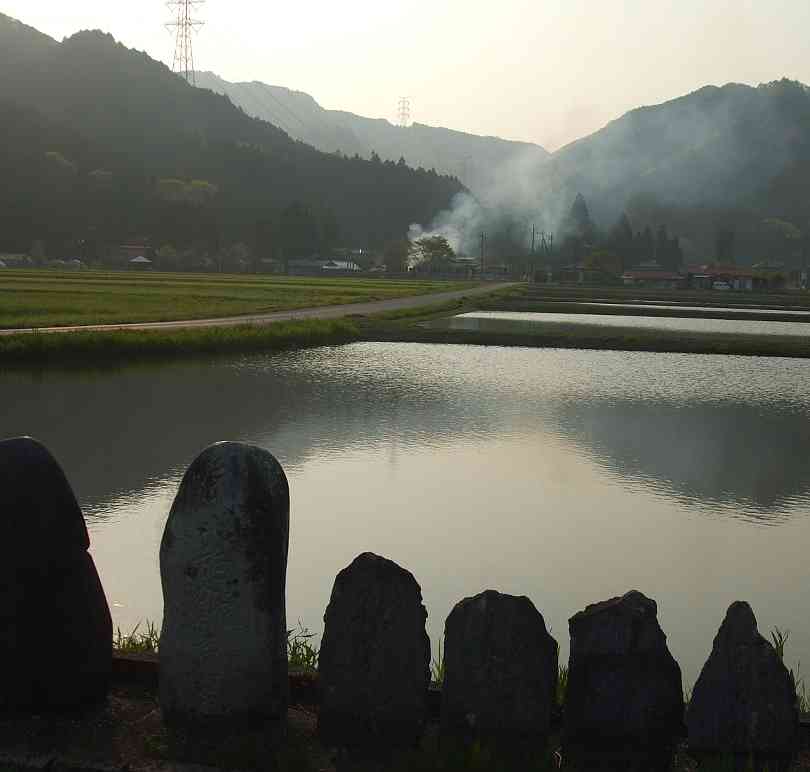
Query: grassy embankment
x,y
36,299
541,293
596,337
88,348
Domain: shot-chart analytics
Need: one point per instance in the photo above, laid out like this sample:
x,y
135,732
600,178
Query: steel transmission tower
x,y
404,111
184,25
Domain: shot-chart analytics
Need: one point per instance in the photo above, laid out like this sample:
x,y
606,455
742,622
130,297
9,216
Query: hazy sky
x,y
546,71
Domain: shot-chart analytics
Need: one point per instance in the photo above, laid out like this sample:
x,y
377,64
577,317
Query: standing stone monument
x,y
223,566
624,697
55,626
500,670
374,662
744,702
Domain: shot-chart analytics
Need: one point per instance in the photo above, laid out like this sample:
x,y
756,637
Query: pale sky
x,y
546,71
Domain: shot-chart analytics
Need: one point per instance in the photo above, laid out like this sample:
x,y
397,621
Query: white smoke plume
x,y
505,206
455,224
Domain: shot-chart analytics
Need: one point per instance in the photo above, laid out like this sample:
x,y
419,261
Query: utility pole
x,y
546,243
483,243
534,233
185,26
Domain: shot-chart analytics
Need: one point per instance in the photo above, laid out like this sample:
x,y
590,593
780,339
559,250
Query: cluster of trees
x,y
731,236
618,249
296,231
429,254
746,235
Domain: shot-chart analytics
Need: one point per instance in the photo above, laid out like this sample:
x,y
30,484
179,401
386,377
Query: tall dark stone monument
x,y
374,661
55,626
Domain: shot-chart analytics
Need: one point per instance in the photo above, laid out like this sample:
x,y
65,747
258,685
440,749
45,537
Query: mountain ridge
x,y
475,159
141,124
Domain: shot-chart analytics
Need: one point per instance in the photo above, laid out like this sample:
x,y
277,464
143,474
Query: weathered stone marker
x,y
374,662
500,670
624,695
744,702
55,626
223,565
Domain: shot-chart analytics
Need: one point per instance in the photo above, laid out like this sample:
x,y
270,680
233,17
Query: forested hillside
x,y
734,159
103,144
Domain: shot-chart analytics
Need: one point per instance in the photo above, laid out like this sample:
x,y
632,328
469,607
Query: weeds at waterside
x,y
562,684
437,666
84,347
146,641
301,653
779,638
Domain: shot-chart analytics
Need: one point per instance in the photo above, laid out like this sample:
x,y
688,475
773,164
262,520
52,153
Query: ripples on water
x,y
565,475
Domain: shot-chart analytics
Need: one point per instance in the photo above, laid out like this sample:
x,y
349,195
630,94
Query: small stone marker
x,y
624,693
223,565
500,670
744,702
55,626
374,662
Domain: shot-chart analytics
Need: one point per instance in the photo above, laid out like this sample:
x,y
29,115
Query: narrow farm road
x,y
319,312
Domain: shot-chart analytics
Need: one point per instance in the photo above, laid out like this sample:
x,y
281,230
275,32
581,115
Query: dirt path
x,y
320,312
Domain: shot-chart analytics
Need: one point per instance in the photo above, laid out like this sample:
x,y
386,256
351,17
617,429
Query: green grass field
x,y
44,298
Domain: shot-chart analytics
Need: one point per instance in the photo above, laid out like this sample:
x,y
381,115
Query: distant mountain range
x,y
91,126
479,162
726,147
718,145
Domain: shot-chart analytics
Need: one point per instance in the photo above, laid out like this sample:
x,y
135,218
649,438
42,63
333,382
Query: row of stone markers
x,y
223,561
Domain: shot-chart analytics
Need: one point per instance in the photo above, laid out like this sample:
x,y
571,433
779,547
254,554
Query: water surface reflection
x,y
564,475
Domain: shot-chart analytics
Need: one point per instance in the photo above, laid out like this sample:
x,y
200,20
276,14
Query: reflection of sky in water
x,y
518,321
567,476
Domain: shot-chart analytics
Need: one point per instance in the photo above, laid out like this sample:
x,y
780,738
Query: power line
x,y
266,94
184,25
